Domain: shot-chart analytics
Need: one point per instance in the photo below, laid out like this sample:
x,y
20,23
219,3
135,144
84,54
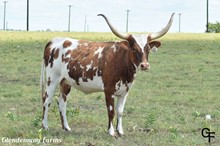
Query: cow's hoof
x,y
115,136
120,133
45,127
67,128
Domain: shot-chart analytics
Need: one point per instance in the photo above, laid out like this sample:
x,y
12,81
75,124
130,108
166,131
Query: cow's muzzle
x,y
145,66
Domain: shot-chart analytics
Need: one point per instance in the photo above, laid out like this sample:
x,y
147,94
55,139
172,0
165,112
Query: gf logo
x,y
207,134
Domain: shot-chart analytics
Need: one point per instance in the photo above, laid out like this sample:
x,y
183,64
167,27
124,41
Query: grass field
x,y
166,106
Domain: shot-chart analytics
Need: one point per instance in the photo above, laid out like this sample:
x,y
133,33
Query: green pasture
x,y
166,106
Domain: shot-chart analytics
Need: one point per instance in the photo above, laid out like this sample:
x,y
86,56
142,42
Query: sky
x,y
144,15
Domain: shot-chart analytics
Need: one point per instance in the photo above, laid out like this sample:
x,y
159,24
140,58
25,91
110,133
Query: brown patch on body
x,y
47,53
43,116
43,99
62,121
51,57
83,42
64,89
65,59
68,52
56,55
48,82
66,44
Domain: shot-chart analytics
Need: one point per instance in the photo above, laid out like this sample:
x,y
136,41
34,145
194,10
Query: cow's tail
x,y
42,79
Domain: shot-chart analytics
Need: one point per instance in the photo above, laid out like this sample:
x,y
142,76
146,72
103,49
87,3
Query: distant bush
x,y
214,27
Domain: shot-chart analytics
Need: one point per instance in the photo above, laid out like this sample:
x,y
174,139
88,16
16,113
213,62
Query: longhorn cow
x,y
108,67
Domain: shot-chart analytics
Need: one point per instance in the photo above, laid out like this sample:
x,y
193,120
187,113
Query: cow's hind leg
x,y
62,101
47,98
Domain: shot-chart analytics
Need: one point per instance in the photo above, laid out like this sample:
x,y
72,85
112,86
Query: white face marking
x,y
141,40
99,52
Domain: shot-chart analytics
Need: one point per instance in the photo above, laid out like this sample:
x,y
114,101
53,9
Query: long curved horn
x,y
163,31
114,30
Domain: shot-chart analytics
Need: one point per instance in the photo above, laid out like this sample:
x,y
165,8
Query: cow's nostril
x,y
145,66
142,65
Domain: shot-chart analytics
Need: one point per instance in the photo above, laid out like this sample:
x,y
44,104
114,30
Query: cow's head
x,y
141,44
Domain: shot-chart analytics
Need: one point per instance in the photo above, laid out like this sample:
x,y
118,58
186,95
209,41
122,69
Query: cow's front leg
x,y
111,112
120,109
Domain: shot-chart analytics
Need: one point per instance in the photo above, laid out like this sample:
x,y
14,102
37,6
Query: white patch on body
x,y
81,66
95,85
85,44
122,88
114,47
99,52
89,66
110,108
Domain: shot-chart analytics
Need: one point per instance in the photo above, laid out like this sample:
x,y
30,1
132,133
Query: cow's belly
x,y
89,86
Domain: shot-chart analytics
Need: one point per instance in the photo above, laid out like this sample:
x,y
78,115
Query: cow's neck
x,y
130,68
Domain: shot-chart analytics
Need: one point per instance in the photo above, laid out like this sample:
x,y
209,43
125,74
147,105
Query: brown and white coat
x,y
108,67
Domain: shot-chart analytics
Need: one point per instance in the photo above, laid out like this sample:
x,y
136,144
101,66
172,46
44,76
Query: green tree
x,y
214,27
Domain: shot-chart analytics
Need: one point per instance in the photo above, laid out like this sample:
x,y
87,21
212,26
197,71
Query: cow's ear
x,y
154,45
